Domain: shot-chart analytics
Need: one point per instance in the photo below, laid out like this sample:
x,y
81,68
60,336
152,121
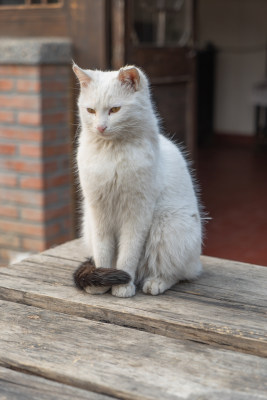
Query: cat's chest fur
x,y
113,176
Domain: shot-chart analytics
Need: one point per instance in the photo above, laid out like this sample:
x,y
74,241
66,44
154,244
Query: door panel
x,y
162,62
164,95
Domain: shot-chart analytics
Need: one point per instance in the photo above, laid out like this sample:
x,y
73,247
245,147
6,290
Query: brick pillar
x,y
35,167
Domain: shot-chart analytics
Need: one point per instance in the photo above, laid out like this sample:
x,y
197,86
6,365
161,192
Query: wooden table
x,y
200,340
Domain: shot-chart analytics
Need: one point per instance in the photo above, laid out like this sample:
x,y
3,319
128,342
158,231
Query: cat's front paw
x,y
156,286
127,290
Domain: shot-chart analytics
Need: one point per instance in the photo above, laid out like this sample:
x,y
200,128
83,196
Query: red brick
x,y
66,224
26,197
6,116
51,198
40,215
57,181
24,85
4,256
21,166
62,238
50,166
8,179
49,103
53,134
7,149
65,164
32,214
19,70
31,183
20,102
51,70
61,133
57,150
21,134
29,118
6,84
8,211
54,86
22,228
29,197
9,240
58,212
52,230
54,118
37,226
33,244
30,150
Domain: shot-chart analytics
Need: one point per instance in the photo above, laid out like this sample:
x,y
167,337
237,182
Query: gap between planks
x,y
16,383
144,321
123,363
140,315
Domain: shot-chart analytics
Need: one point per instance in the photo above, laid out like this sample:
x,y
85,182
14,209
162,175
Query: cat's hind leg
x,y
172,251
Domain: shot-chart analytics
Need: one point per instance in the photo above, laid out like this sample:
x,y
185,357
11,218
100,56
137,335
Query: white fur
x,y
140,212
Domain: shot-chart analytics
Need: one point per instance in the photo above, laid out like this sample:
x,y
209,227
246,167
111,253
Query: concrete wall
x,y
239,29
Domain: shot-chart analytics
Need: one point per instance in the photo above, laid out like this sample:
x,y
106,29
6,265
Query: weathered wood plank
x,y
187,312
16,385
122,362
73,250
230,280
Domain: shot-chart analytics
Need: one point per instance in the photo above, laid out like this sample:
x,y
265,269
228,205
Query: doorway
x,y
167,39
232,165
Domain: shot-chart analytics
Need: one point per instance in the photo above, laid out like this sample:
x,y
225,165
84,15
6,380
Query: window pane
x,y
160,22
29,2
11,2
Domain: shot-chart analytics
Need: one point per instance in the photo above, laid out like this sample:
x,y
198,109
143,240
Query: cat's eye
x,y
114,110
90,110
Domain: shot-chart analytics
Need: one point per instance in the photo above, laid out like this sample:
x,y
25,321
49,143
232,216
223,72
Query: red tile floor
x,y
233,183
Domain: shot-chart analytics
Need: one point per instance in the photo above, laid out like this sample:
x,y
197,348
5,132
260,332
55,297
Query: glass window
x,y
161,22
29,3
11,2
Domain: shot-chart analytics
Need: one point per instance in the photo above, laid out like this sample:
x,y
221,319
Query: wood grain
x,y
225,307
121,362
16,385
231,280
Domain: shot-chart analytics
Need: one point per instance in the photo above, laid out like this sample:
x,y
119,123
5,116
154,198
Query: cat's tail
x,y
88,275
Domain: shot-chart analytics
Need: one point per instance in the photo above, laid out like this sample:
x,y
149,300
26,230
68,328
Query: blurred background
x,y
207,62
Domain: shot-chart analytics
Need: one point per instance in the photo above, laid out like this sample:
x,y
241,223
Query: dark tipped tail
x,y
88,275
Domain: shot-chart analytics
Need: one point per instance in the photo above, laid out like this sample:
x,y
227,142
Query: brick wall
x,y
35,153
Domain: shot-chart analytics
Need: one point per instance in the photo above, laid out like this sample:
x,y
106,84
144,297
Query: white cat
x,y
140,211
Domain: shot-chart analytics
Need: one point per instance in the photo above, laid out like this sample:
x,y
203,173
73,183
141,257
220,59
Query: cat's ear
x,y
83,77
129,77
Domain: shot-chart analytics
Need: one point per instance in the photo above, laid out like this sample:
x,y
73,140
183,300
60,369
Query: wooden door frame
x,y
121,14
118,30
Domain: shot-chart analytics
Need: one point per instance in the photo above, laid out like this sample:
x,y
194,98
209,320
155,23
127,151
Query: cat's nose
x,y
101,128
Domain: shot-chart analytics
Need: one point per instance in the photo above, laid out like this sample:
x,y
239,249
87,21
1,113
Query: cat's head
x,y
113,104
